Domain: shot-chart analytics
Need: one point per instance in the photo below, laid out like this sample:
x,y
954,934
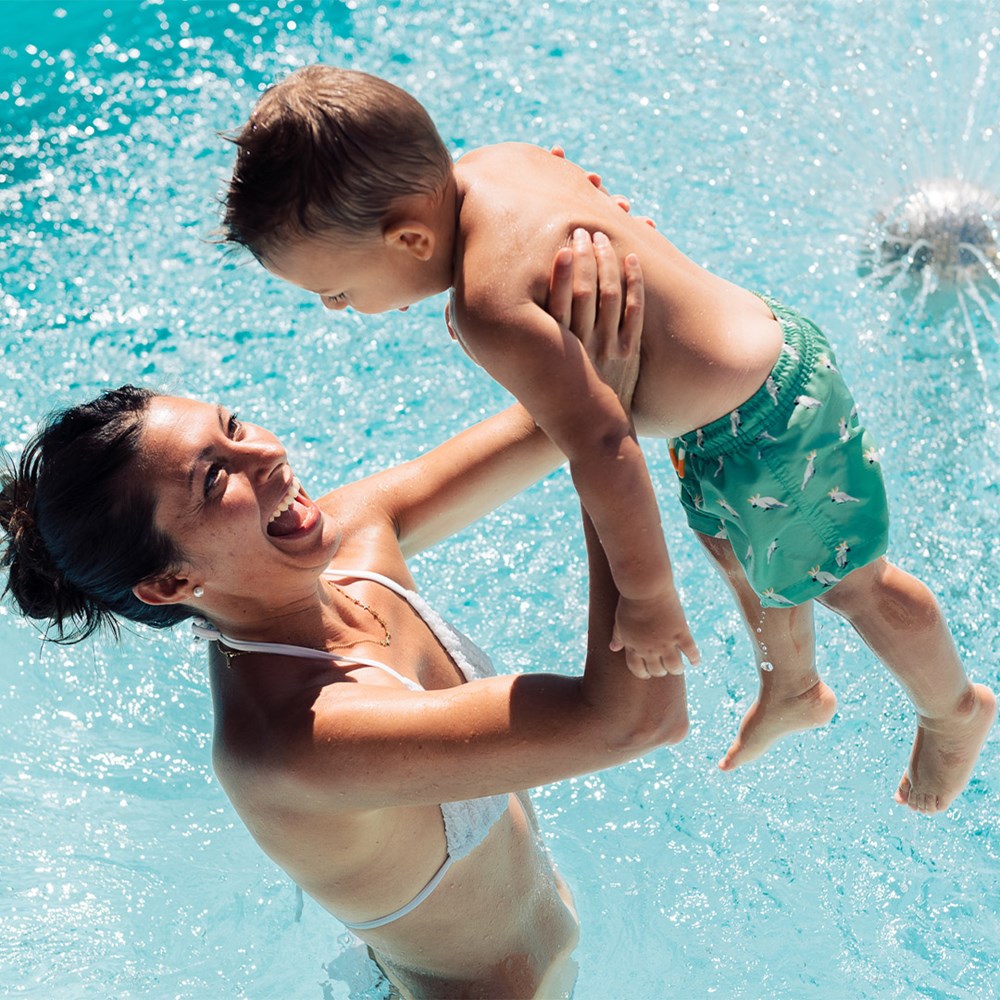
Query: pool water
x,y
763,138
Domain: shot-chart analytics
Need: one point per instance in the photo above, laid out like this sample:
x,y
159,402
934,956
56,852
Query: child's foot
x,y
945,752
766,722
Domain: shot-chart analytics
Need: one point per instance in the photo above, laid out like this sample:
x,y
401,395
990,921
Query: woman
x,y
368,747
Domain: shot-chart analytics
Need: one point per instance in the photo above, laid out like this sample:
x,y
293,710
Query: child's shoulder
x,y
514,215
501,156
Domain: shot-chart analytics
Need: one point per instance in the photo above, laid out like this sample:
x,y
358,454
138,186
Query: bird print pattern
x,y
790,477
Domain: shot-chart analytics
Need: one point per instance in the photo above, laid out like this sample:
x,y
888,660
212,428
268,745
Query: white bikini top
x,y
466,822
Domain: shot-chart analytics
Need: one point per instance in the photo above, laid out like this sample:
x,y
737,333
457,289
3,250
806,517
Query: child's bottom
x,y
791,477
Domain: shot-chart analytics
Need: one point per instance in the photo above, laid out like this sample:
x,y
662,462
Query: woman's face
x,y
227,497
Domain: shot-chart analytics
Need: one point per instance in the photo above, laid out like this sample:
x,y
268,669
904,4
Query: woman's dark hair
x,y
80,531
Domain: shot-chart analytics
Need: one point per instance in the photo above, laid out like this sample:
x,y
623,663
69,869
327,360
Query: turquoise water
x,y
762,137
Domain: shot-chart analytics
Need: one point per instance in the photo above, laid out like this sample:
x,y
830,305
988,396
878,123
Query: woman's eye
x,y
234,425
212,478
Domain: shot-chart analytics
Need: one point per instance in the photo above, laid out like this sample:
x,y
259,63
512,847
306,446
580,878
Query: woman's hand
x,y
619,199
586,298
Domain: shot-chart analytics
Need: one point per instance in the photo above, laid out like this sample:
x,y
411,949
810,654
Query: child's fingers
x,y
690,649
637,665
670,663
673,665
560,301
616,643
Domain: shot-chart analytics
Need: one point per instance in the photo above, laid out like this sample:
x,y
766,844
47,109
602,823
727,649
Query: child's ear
x,y
415,237
165,590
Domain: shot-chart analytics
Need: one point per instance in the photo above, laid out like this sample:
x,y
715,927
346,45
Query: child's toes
x,y
902,795
930,803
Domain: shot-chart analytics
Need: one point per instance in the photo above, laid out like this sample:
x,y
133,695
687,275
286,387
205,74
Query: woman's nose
x,y
262,453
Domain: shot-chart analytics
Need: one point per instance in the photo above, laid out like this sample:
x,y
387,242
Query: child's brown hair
x,y
329,149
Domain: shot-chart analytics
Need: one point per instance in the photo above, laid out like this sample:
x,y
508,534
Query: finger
x,y
595,179
558,151
584,287
656,667
637,665
609,302
647,220
690,649
634,312
622,202
616,645
560,300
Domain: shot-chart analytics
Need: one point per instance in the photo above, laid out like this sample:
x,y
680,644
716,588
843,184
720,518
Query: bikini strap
x,y
364,574
367,925
205,630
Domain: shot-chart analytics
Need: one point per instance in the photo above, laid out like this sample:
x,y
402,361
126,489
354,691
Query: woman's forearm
x,y
369,746
643,713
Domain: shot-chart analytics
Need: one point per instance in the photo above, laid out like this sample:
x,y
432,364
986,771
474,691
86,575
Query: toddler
x,y
343,187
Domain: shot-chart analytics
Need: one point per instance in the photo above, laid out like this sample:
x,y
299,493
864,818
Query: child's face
x,y
373,276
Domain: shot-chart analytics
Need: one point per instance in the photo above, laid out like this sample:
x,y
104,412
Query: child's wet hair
x,y
329,151
80,527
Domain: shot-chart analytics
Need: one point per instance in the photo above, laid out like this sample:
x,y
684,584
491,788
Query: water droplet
x,y
766,666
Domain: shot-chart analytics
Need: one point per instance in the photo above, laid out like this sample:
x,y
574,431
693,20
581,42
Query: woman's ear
x,y
165,590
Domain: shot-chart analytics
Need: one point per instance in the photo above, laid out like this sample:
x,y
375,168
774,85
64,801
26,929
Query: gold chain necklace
x,y
231,654
361,604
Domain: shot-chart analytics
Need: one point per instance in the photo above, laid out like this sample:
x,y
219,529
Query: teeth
x,y
286,502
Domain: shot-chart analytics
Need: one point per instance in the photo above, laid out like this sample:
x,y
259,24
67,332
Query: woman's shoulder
x,y
261,744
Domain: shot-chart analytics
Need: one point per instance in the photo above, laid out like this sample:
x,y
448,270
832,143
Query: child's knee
x,y
905,602
891,594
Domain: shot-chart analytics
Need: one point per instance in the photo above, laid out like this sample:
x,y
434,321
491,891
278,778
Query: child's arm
x,y
548,371
462,480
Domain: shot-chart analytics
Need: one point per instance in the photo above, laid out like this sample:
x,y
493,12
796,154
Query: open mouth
x,y
295,513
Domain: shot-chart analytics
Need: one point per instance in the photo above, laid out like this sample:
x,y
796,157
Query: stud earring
x,y
198,591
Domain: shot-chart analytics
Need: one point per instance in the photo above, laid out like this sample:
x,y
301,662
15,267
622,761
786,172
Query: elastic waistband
x,y
771,405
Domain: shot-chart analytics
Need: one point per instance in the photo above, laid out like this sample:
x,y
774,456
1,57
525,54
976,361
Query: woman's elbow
x,y
640,736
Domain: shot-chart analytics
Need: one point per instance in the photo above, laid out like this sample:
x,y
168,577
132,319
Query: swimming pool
x,y
762,138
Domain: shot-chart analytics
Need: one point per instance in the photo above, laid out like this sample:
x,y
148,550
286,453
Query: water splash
x,y
934,242
942,234
938,248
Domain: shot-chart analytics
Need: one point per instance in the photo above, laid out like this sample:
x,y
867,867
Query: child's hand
x,y
654,633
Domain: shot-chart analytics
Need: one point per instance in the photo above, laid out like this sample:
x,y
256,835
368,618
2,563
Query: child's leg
x,y
899,618
792,696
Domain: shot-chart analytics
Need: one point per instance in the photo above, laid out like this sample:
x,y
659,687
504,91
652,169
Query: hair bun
x,y
80,526
33,580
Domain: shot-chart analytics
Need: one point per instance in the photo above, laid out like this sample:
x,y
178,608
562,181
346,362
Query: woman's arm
x,y
476,471
367,746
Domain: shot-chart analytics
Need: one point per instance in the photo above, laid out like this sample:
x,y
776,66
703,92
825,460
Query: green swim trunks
x,y
791,477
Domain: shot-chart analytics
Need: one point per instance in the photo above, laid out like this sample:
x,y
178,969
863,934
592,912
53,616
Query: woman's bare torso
x,y
708,344
500,924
